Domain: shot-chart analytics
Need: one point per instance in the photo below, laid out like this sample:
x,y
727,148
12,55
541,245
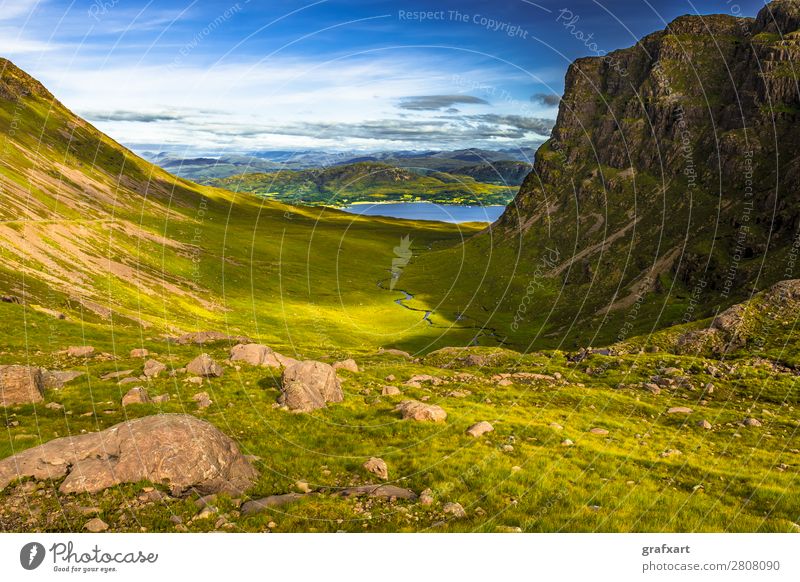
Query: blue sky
x,y
212,76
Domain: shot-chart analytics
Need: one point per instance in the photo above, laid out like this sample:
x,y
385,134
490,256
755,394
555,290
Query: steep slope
x,y
668,188
92,235
367,182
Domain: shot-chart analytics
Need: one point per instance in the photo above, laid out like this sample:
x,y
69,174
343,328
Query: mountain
x,y
667,191
369,182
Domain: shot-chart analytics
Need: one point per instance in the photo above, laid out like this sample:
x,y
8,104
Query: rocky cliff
x,y
673,167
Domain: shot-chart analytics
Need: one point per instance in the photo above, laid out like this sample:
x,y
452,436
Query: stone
x,y
752,422
303,486
203,400
115,375
670,453
178,450
80,351
567,443
385,491
54,406
286,361
653,388
390,378
599,431
140,353
556,426
421,412
394,352
454,509
507,529
377,467
205,337
390,391
255,355
128,381
680,410
309,385
260,505
479,429
704,424
137,395
152,368
348,364
95,525
426,497
55,379
20,385
160,399
204,366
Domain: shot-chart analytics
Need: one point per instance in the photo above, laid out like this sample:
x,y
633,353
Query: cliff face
x,y
674,164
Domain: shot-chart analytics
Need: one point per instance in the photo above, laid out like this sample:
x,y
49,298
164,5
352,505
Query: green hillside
x,y
367,182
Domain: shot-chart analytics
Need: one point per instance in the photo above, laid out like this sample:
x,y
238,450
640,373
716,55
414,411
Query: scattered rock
x,y
653,388
390,391
80,351
20,385
55,379
348,364
95,525
160,399
454,509
679,410
286,361
259,505
419,411
599,431
204,366
556,426
205,337
479,429
179,450
140,353
137,395
203,400
507,529
752,422
386,491
670,453
704,424
567,443
128,381
152,368
377,467
303,486
255,355
390,378
426,497
54,406
309,385
394,352
115,375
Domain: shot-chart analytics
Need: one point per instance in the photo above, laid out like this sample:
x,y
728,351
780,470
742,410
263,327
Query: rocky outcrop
x,y
178,450
673,159
20,385
309,385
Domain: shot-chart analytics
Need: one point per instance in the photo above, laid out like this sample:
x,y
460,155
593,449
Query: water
x,y
429,211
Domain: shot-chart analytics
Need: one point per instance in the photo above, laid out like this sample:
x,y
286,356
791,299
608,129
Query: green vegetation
x,y
367,182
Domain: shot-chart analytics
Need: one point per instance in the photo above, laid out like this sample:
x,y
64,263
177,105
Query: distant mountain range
x,y
506,167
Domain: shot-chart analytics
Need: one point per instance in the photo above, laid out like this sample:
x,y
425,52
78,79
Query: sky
x,y
198,76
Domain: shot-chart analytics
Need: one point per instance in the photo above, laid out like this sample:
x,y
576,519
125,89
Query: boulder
x,y
259,505
704,424
419,411
152,368
394,352
203,365
203,400
178,450
679,410
390,391
95,525
377,467
385,491
80,351
752,422
309,385
348,364
20,385
479,429
286,361
137,395
115,375
598,431
454,509
255,355
140,353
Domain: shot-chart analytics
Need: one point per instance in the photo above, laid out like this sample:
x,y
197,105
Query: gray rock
x,y
204,366
20,385
385,491
152,368
259,505
309,385
479,429
255,355
377,467
349,364
95,525
137,395
454,509
421,412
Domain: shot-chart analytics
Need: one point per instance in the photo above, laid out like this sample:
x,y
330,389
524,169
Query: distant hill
x,y
371,181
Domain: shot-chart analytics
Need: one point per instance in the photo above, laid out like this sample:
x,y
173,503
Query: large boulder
x,y
421,412
349,364
178,450
152,368
20,385
137,395
309,385
255,355
203,365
